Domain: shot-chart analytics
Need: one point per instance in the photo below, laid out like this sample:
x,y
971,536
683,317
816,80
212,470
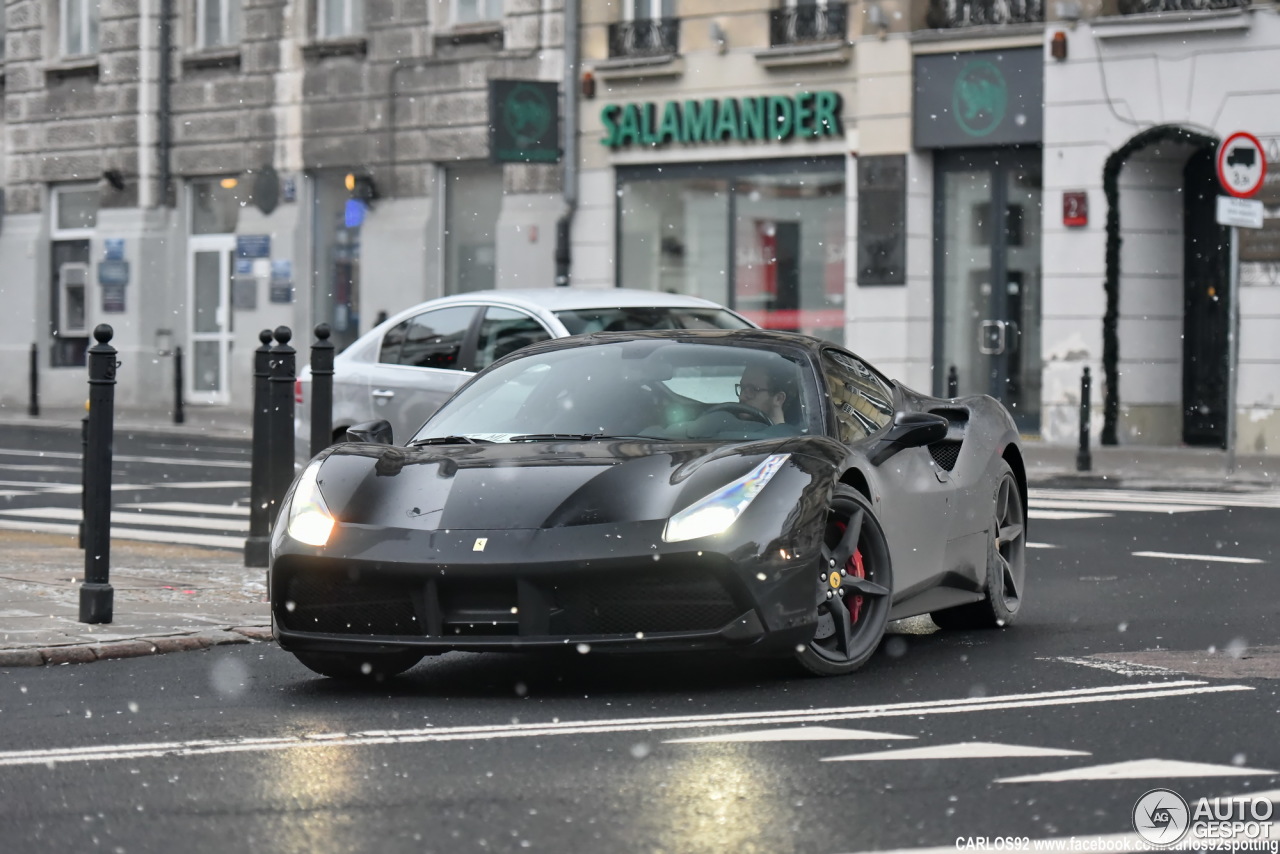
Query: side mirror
x,y
910,430
376,432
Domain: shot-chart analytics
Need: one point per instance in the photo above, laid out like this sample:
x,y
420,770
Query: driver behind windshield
x,y
767,405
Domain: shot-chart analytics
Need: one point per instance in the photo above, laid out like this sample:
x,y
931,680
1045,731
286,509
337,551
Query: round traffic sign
x,y
1242,164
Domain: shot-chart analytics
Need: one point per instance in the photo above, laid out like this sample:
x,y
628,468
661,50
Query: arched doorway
x,y
1165,326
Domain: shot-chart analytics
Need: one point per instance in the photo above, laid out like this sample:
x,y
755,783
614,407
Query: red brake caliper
x,y
856,569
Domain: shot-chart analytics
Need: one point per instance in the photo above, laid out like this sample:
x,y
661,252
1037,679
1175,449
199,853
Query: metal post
x,y
257,546
1084,459
953,382
33,406
321,390
178,416
96,594
280,432
1233,347
84,462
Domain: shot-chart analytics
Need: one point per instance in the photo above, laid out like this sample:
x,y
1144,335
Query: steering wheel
x,y
741,409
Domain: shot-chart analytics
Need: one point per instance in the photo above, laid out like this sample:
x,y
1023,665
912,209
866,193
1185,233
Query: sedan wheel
x,y
1006,564
854,589
365,667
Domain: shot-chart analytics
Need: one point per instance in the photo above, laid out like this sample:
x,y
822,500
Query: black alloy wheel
x,y
854,588
1006,563
362,667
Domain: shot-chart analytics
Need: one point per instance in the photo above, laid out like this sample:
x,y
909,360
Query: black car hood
x,y
528,485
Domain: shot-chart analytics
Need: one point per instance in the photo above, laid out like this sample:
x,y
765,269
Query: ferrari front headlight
x,y
716,512
309,519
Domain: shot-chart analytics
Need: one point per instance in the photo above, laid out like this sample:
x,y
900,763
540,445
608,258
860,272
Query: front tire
x,y
1006,564
362,667
855,587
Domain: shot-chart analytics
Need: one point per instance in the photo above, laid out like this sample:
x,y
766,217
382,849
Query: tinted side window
x,y
863,403
391,342
503,331
433,339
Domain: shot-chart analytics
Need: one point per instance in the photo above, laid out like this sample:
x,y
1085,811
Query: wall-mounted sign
x,y
979,98
113,272
767,118
1242,213
1075,208
882,220
281,280
253,246
244,293
524,121
113,248
113,298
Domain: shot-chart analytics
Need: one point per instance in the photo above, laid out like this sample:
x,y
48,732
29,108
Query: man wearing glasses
x,y
769,394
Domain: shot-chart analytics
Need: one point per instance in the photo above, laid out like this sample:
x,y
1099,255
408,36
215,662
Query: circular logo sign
x,y
1161,817
527,114
1242,164
979,98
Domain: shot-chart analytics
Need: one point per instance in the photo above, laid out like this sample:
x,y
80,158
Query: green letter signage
x,y
765,118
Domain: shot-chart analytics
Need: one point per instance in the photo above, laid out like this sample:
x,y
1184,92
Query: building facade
x,y
193,172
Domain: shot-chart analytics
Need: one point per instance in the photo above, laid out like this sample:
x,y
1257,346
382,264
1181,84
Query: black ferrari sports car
x,y
742,489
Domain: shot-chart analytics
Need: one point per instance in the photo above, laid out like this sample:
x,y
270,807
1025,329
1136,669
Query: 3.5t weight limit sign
x,y
1241,165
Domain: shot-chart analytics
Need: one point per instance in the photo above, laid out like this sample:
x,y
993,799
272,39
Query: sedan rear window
x,y
582,321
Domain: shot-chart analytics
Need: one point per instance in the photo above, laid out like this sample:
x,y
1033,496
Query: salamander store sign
x,y
766,118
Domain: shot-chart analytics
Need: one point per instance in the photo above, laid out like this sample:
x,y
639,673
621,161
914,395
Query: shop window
x,y
217,23
769,244
73,218
473,202
476,11
78,27
335,294
215,205
338,18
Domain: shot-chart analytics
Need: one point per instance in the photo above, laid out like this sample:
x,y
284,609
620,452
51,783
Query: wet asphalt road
x,y
582,752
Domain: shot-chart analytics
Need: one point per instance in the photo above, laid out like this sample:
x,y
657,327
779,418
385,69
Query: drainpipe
x,y
164,137
571,60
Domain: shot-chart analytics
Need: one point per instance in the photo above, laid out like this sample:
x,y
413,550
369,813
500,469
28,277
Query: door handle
x,y
991,337
383,394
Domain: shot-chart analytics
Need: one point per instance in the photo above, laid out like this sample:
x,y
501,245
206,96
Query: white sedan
x,y
407,366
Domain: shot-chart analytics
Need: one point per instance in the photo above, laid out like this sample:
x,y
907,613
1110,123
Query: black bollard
x,y
280,432
84,462
257,546
33,405
1084,459
178,416
321,390
953,382
96,595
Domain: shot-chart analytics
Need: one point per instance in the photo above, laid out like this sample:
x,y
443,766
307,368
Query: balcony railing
x,y
807,24
644,37
1137,7
949,14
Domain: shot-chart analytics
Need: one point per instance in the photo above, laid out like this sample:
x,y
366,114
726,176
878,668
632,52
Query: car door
x,y
420,363
915,504
503,331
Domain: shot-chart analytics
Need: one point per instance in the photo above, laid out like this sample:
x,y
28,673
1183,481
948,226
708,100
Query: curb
x,y
85,653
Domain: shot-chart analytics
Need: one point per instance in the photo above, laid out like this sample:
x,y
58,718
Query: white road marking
x,y
1145,691
126,458
1205,558
960,750
1119,506
1215,499
1041,546
803,733
192,507
72,514
1124,668
1053,515
205,484
1140,769
122,533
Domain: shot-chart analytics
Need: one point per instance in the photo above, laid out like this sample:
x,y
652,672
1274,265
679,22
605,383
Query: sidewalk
x,y
170,598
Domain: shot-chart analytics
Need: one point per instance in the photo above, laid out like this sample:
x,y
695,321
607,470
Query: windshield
x,y
580,321
651,389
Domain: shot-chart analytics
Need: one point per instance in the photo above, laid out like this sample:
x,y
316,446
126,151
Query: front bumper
x,y
608,586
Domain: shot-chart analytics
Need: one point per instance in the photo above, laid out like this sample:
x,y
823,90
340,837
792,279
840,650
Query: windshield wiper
x,y
577,437
448,440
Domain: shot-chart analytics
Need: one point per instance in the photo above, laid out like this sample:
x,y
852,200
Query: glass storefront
x,y
766,239
473,203
336,289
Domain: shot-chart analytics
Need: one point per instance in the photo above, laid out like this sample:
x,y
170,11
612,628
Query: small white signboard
x,y
1246,213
